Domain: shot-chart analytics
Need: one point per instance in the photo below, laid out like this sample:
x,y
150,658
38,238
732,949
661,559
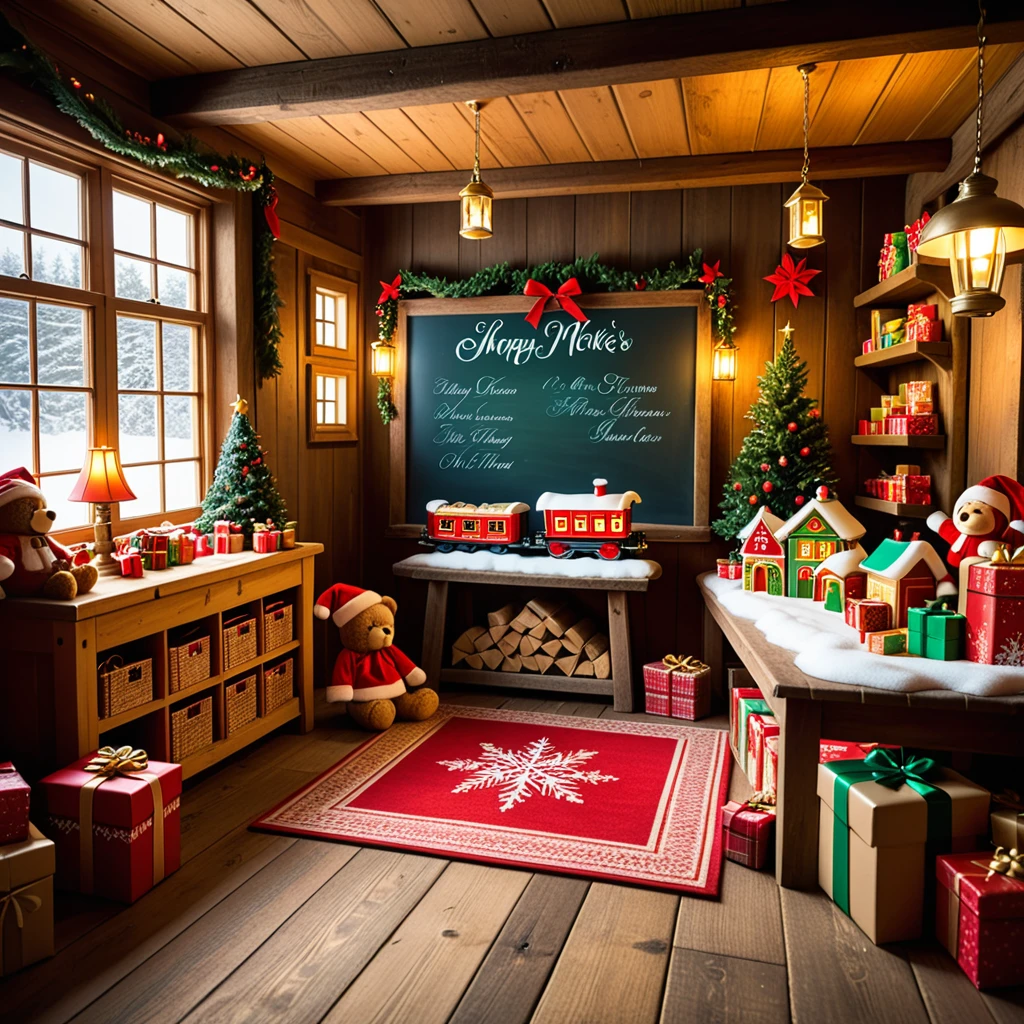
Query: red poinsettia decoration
x,y
791,279
710,273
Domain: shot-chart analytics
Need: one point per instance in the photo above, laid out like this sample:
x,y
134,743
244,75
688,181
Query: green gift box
x,y
935,633
945,625
877,815
942,650
748,706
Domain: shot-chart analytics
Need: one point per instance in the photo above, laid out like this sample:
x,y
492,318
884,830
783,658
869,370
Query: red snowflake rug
x,y
622,801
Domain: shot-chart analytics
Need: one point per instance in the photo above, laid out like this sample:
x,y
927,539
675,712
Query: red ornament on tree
x,y
814,413
767,486
765,467
798,500
792,428
790,279
783,461
804,452
242,447
737,486
245,471
752,499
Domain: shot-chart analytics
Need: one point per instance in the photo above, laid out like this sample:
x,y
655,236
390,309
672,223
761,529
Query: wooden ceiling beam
x,y
648,49
644,175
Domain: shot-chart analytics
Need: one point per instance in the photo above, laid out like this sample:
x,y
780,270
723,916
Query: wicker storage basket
x,y
277,625
190,662
240,700
277,685
191,729
123,687
239,640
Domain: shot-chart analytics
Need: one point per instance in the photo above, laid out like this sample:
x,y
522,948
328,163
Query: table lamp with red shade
x,y
102,482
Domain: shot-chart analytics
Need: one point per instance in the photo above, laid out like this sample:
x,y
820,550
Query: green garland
x,y
592,275
181,157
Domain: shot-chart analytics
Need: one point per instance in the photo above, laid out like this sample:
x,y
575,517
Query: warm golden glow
x,y
383,359
102,479
806,217
725,361
977,262
475,219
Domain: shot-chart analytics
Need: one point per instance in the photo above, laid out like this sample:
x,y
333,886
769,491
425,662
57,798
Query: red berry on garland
x,y
722,301
792,428
798,500
76,83
814,413
753,499
804,452
380,312
640,285
767,486
783,461
737,486
214,168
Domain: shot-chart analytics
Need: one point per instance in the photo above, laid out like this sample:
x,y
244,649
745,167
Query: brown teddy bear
x,y
31,563
371,675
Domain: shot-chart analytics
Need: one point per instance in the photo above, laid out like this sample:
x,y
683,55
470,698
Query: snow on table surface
x,y
827,648
540,565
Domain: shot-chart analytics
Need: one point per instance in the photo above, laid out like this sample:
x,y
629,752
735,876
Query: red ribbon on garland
x,y
270,212
563,297
390,290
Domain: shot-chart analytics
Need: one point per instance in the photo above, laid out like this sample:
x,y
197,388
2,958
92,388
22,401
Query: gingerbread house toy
x,y
905,574
764,558
816,531
840,576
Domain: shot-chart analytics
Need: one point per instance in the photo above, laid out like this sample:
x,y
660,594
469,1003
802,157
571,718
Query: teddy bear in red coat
x,y
985,515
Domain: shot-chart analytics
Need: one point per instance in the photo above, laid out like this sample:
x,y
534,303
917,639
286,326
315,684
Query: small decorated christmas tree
x,y
243,490
786,456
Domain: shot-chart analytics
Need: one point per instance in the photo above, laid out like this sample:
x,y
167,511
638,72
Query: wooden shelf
x,y
552,680
938,352
237,740
901,440
917,282
894,508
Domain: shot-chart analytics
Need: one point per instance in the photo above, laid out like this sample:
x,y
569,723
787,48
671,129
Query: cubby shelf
x,y
895,508
938,352
901,440
918,281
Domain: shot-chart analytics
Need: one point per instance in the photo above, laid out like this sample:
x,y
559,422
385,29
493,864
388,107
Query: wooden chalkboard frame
x,y
699,532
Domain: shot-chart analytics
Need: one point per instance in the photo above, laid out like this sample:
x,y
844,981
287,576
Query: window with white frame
x,y
333,348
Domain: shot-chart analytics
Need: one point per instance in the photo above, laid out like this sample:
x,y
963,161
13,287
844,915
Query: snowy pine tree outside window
x,y
68,334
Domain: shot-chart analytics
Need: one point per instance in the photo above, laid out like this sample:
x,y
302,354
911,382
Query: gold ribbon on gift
x,y
1007,862
763,800
1002,555
109,763
1004,862
677,663
23,904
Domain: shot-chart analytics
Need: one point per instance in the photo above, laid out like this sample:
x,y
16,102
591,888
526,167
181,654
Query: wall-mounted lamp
x,y
725,360
383,359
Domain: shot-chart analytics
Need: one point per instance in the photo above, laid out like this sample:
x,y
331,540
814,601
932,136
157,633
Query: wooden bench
x,y
808,709
620,685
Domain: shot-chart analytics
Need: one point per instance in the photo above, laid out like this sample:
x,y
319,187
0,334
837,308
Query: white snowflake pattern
x,y
538,767
1011,652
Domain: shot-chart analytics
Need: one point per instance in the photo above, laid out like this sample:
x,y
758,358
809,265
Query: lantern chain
x,y
981,84
805,70
476,151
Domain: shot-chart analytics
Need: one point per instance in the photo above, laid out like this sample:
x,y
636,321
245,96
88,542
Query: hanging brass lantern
x,y
806,216
725,361
476,197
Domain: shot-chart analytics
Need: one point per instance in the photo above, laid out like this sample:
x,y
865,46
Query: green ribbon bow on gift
x,y
893,769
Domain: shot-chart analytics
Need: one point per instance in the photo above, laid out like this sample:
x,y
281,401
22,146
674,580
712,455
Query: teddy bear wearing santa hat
x,y
985,515
371,674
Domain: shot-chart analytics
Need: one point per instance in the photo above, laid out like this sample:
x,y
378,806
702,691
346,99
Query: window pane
x,y
329,314
136,354
69,513
182,484
145,484
63,431
133,279
55,202
132,225
320,386
342,322
172,236
11,199
174,287
329,415
330,386
180,427
342,403
56,262
319,413
319,305
60,341
16,428
136,417
179,358
328,335
12,252
15,366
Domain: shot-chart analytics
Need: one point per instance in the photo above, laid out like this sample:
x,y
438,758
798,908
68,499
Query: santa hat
x,y
342,603
1003,493
17,483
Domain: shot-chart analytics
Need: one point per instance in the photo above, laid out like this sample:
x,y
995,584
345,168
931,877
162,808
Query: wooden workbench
x,y
808,709
620,685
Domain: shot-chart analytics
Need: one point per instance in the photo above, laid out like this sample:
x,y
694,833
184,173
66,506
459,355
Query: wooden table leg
x,y
714,654
796,839
618,640
305,638
433,631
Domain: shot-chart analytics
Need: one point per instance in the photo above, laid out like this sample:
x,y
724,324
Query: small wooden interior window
x,y
332,403
333,317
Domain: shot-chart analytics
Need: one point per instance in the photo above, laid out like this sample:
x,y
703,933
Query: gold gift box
x,y
26,885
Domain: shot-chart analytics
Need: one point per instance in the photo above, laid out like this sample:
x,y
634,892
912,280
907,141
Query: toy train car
x,y
597,524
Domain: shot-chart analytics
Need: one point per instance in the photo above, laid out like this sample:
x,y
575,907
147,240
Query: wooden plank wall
x,y
741,226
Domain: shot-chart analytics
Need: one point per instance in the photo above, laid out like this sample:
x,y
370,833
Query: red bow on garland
x,y
542,293
270,212
791,279
390,290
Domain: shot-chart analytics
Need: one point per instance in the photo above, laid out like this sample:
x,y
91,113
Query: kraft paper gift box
x,y
748,706
872,838
759,728
748,833
125,848
995,611
735,696
979,915
26,902
288,535
1007,821
14,802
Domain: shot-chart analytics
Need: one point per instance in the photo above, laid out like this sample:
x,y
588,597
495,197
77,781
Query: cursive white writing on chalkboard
x,y
449,434
473,459
575,336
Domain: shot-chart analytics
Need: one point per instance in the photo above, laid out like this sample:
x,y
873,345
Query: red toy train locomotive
x,y
597,524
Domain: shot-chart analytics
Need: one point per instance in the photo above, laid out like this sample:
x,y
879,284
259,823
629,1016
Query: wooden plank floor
x,y
256,927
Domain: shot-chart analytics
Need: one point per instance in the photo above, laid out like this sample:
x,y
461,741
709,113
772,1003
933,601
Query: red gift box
x,y
131,563
995,613
680,687
735,696
847,750
867,346
979,916
729,570
868,616
264,541
759,728
656,689
14,801
870,426
770,777
922,311
895,424
748,833
222,537
203,546
123,862
924,330
918,425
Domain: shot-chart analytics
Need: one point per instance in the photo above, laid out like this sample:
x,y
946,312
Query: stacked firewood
x,y
543,635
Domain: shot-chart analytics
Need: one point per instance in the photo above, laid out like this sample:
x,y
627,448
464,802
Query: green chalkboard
x,y
497,410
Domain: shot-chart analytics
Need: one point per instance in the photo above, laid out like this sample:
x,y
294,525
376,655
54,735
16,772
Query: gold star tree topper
x,y
240,404
786,331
